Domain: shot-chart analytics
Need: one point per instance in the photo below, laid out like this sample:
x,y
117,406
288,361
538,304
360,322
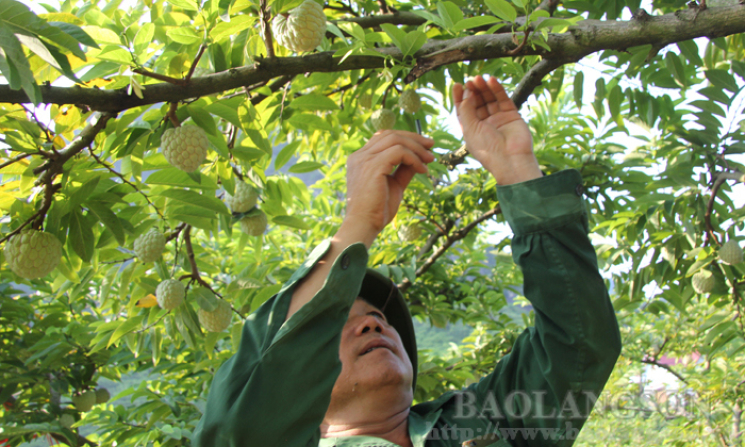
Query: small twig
x,y
159,77
14,159
549,6
721,178
118,174
449,241
193,262
385,8
171,114
521,45
266,29
176,232
44,128
663,366
193,67
351,84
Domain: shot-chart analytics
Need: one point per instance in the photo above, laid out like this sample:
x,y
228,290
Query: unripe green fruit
x,y
302,29
383,119
185,147
216,321
255,224
102,395
67,420
85,400
244,199
149,246
410,233
409,101
33,254
170,293
703,281
365,100
730,253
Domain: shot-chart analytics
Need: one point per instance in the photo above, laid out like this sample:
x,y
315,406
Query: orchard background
x,y
90,87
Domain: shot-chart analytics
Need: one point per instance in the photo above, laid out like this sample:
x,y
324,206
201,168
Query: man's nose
x,y
369,323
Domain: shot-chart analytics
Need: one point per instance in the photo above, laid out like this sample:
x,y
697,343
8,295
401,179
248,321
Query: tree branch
x,y
81,141
666,367
449,241
585,38
14,160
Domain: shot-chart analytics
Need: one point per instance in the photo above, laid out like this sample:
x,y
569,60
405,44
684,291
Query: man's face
x,y
372,355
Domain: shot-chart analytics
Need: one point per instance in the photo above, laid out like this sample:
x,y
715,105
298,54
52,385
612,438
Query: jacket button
x,y
579,190
345,261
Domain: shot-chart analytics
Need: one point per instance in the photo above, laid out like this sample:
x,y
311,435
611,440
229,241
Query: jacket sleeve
x,y
550,380
275,390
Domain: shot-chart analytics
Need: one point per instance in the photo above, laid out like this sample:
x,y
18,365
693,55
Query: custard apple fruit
x,y
409,233
170,293
244,199
409,101
302,29
216,321
33,254
85,400
185,147
703,281
730,253
150,245
102,395
383,119
365,100
254,224
67,420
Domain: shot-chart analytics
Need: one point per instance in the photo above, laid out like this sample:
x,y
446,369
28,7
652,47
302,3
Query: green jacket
x,y
276,389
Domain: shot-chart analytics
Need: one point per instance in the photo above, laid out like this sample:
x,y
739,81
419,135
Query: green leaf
x,y
689,49
235,26
205,298
125,328
105,215
290,221
450,13
143,38
193,198
176,177
672,62
313,102
194,216
397,35
614,101
309,122
286,154
305,166
189,5
76,33
474,22
502,9
413,42
203,119
184,35
722,79
80,235
579,80
16,61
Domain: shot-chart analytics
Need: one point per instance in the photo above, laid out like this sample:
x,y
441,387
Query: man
x,y
331,360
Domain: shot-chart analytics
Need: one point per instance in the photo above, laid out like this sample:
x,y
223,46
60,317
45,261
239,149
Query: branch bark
x,y
721,178
585,38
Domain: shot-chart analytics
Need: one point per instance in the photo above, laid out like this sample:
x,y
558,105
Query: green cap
x,y
381,292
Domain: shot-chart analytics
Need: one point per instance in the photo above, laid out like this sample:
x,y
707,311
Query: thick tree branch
x,y
266,27
585,38
450,239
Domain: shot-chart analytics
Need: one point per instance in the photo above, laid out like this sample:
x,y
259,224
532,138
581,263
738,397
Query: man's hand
x,y
495,133
377,176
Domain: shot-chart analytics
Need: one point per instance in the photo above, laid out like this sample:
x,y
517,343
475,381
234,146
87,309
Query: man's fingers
x,y
505,102
414,142
403,175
